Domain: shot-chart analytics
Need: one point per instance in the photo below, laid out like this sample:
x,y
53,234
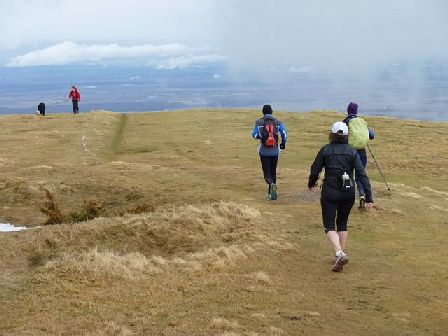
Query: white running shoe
x,y
339,263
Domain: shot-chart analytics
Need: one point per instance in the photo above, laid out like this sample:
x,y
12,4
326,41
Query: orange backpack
x,y
269,133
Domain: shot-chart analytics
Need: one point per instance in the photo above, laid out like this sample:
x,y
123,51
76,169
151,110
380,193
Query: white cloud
x,y
187,61
164,56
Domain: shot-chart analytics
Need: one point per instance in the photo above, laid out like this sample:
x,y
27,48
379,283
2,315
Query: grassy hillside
x,y
184,242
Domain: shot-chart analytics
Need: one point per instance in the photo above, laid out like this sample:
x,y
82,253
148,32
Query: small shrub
x,y
51,209
92,209
78,216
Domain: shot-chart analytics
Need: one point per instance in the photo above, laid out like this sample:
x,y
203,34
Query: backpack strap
x,y
272,119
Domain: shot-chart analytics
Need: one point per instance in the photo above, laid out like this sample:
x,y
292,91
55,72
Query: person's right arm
x,y
316,168
256,132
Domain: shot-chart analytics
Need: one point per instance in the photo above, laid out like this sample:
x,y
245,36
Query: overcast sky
x,y
172,33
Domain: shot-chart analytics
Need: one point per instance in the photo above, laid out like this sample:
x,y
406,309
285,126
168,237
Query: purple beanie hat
x,y
352,108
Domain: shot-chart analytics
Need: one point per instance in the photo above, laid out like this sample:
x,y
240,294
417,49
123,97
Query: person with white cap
x,y
338,189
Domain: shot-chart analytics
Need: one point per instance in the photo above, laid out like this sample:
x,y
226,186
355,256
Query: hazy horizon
x,y
392,92
389,56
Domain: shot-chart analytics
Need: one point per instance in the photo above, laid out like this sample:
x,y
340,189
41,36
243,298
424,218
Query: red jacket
x,y
74,95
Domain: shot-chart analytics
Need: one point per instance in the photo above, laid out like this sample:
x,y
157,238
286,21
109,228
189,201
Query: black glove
x,y
282,146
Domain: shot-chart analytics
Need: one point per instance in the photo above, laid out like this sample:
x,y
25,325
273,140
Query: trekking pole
x,y
59,101
376,163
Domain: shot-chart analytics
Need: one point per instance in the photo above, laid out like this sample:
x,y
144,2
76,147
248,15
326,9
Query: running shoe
x,y
339,263
273,191
268,194
362,203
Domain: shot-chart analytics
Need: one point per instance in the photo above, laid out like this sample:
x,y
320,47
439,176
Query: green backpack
x,y
358,133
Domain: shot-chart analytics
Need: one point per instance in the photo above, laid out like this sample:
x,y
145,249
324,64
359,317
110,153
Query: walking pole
x,y
376,163
59,101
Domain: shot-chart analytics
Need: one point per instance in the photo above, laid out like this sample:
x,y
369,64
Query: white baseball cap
x,y
339,128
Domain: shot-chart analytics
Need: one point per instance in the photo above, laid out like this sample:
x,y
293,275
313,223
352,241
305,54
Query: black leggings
x,y
75,106
269,166
338,209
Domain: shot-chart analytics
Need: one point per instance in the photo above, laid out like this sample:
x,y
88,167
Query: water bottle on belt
x,y
346,182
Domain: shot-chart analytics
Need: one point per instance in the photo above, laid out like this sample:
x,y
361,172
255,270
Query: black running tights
x,y
338,209
269,166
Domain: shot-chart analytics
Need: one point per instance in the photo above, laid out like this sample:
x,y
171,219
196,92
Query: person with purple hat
x,y
358,136
340,160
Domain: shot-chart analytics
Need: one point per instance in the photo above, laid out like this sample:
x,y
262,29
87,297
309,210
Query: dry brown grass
x,y
186,244
104,265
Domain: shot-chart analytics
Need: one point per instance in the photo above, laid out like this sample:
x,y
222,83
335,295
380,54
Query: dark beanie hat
x,y
267,109
352,108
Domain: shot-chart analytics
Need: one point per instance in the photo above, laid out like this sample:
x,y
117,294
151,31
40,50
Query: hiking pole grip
x,y
378,167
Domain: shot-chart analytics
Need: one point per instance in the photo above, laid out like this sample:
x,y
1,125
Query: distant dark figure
x,y
267,130
75,97
41,109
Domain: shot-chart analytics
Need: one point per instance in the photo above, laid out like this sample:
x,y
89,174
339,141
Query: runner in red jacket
x,y
75,97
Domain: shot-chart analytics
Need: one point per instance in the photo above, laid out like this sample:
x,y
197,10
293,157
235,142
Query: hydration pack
x,y
269,133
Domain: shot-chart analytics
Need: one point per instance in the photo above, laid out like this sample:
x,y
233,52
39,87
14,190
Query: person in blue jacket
x,y
352,111
267,130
